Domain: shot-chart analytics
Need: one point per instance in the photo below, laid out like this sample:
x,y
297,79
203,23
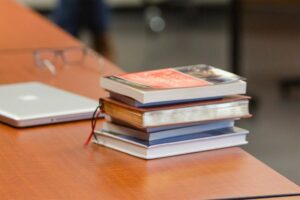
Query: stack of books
x,y
173,111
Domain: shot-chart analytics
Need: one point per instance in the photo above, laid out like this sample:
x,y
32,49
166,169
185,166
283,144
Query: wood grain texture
x,y
50,162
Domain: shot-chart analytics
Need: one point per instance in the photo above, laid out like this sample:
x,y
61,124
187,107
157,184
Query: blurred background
x,y
258,39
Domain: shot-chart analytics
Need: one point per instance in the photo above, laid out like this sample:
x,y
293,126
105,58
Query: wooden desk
x,y
17,21
50,162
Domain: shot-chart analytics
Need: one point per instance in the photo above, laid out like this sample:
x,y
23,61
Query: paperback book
x,y
175,84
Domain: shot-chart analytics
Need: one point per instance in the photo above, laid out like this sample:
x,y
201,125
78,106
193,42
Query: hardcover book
x,y
226,108
203,141
162,128
162,134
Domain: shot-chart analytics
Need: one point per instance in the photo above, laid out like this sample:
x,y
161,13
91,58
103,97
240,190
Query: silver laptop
x,y
34,103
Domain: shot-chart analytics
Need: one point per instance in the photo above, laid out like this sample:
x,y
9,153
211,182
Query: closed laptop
x,y
34,103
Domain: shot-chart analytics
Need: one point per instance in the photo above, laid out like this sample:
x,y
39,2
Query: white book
x,y
216,139
175,84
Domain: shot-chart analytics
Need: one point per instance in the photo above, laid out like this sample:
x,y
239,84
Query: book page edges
x,y
193,114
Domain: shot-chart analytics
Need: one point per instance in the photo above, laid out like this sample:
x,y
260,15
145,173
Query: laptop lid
x,y
34,103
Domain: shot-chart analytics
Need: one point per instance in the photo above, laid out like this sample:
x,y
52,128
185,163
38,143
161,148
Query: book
x,y
166,127
168,133
226,108
135,103
175,84
208,140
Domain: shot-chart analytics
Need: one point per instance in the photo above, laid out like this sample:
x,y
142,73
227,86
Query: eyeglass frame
x,y
60,53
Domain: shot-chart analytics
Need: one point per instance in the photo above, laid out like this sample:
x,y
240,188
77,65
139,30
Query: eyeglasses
x,y
51,59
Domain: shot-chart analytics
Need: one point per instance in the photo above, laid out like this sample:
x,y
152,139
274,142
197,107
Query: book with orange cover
x,y
176,84
226,108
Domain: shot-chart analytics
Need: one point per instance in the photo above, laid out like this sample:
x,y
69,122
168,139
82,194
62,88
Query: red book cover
x,y
164,78
177,77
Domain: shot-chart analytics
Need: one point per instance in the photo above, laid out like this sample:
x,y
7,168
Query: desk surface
x,y
17,21
50,162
